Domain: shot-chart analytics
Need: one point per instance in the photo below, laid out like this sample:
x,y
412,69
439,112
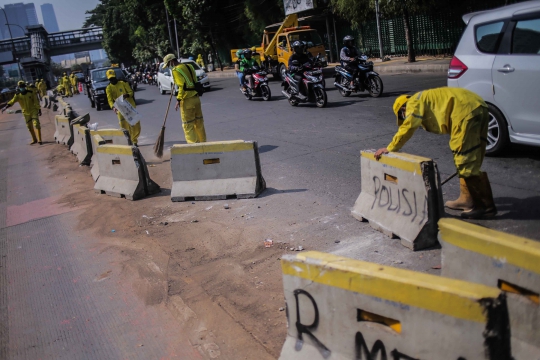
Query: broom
x,y
160,142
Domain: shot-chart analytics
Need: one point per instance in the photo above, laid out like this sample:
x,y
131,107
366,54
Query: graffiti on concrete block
x,y
401,201
307,329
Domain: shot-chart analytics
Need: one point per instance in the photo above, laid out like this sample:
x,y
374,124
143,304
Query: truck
x,y
275,48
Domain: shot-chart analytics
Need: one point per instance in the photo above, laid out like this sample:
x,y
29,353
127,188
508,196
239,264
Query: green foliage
x,y
76,67
107,63
57,69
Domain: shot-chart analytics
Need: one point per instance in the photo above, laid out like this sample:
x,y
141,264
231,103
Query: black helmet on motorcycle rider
x,y
298,47
348,41
248,53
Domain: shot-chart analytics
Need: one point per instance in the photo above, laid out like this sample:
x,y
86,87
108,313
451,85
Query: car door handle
x,y
506,69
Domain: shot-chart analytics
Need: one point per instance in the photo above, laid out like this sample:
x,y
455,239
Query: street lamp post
x,y
13,43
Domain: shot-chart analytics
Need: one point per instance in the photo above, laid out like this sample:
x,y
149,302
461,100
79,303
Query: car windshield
x,y
101,74
312,38
192,63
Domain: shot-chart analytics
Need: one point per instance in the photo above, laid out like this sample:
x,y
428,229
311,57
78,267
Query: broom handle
x,y
168,107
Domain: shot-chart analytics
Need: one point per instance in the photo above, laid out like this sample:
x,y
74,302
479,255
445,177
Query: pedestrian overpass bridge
x,y
40,45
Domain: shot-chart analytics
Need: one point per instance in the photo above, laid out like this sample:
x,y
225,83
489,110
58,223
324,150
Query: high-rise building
x,y
16,15
49,18
31,14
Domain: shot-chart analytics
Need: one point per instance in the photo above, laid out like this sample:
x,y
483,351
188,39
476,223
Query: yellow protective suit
x,y
190,104
455,111
200,61
30,107
42,88
67,86
113,93
73,79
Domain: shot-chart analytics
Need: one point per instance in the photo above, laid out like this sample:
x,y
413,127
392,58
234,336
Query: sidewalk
x,y
396,65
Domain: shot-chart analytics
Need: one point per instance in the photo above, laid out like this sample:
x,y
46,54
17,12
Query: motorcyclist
x,y
246,64
297,61
349,56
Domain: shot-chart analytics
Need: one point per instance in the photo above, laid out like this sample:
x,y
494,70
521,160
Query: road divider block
x,y
97,140
74,148
511,263
123,173
83,144
401,196
339,308
216,170
63,132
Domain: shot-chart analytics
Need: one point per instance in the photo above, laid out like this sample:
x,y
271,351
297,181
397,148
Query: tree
x,y
76,67
57,69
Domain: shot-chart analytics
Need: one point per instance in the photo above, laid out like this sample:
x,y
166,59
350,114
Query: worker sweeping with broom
x,y
464,115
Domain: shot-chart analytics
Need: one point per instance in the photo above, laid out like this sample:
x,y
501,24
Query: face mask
x,y
113,81
22,90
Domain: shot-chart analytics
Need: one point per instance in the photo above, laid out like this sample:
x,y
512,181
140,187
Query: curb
x,y
383,69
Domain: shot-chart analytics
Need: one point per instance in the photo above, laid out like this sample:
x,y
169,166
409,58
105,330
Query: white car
x,y
166,82
498,57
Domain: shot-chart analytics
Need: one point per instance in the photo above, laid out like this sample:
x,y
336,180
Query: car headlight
x,y
202,77
100,92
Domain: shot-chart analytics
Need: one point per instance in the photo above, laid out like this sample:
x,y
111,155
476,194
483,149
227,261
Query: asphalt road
x,y
305,148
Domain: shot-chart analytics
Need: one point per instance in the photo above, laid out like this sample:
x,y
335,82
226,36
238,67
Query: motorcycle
x,y
257,85
313,82
366,79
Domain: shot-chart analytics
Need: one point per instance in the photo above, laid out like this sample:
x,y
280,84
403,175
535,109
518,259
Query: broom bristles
x,y
160,142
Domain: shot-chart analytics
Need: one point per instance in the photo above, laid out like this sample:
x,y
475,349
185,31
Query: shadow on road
x,y
522,151
394,93
518,209
271,191
342,103
266,148
143,101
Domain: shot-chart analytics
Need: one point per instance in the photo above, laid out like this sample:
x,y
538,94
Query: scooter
x,y
313,82
366,79
257,85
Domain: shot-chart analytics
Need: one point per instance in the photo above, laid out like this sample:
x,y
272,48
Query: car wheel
x,y
99,107
497,137
92,103
161,91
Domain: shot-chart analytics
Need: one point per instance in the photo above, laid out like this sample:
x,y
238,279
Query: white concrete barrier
x,y
63,132
216,170
123,173
401,197
97,140
339,308
511,263
82,144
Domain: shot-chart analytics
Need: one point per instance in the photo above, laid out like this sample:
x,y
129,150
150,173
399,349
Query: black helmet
x,y
348,40
298,47
248,53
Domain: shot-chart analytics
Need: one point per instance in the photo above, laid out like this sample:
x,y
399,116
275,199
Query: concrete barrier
x,y
216,170
75,146
63,132
511,263
401,196
83,144
123,173
339,308
97,140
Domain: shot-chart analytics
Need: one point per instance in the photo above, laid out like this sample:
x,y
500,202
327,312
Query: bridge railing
x,y
66,38
22,45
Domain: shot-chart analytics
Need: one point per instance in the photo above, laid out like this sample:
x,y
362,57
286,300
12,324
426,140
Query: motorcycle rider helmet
x,y
348,41
298,47
248,53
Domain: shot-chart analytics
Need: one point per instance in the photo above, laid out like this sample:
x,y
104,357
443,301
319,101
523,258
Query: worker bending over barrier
x,y
464,115
31,110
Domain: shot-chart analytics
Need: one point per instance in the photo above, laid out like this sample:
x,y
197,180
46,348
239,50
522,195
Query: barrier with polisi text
x,y
216,170
106,136
401,196
63,132
339,308
511,263
123,173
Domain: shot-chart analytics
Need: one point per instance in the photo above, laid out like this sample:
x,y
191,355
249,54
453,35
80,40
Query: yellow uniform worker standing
x,y
73,79
31,110
200,61
188,99
114,90
42,87
464,115
67,85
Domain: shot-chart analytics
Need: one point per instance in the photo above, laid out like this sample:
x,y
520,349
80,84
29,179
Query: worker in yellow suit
x,y
200,61
114,90
42,87
66,83
188,99
464,115
73,79
31,110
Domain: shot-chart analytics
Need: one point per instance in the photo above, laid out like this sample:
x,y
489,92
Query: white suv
x,y
498,57
165,80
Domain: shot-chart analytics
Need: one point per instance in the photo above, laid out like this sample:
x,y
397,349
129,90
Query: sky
x,y
70,14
